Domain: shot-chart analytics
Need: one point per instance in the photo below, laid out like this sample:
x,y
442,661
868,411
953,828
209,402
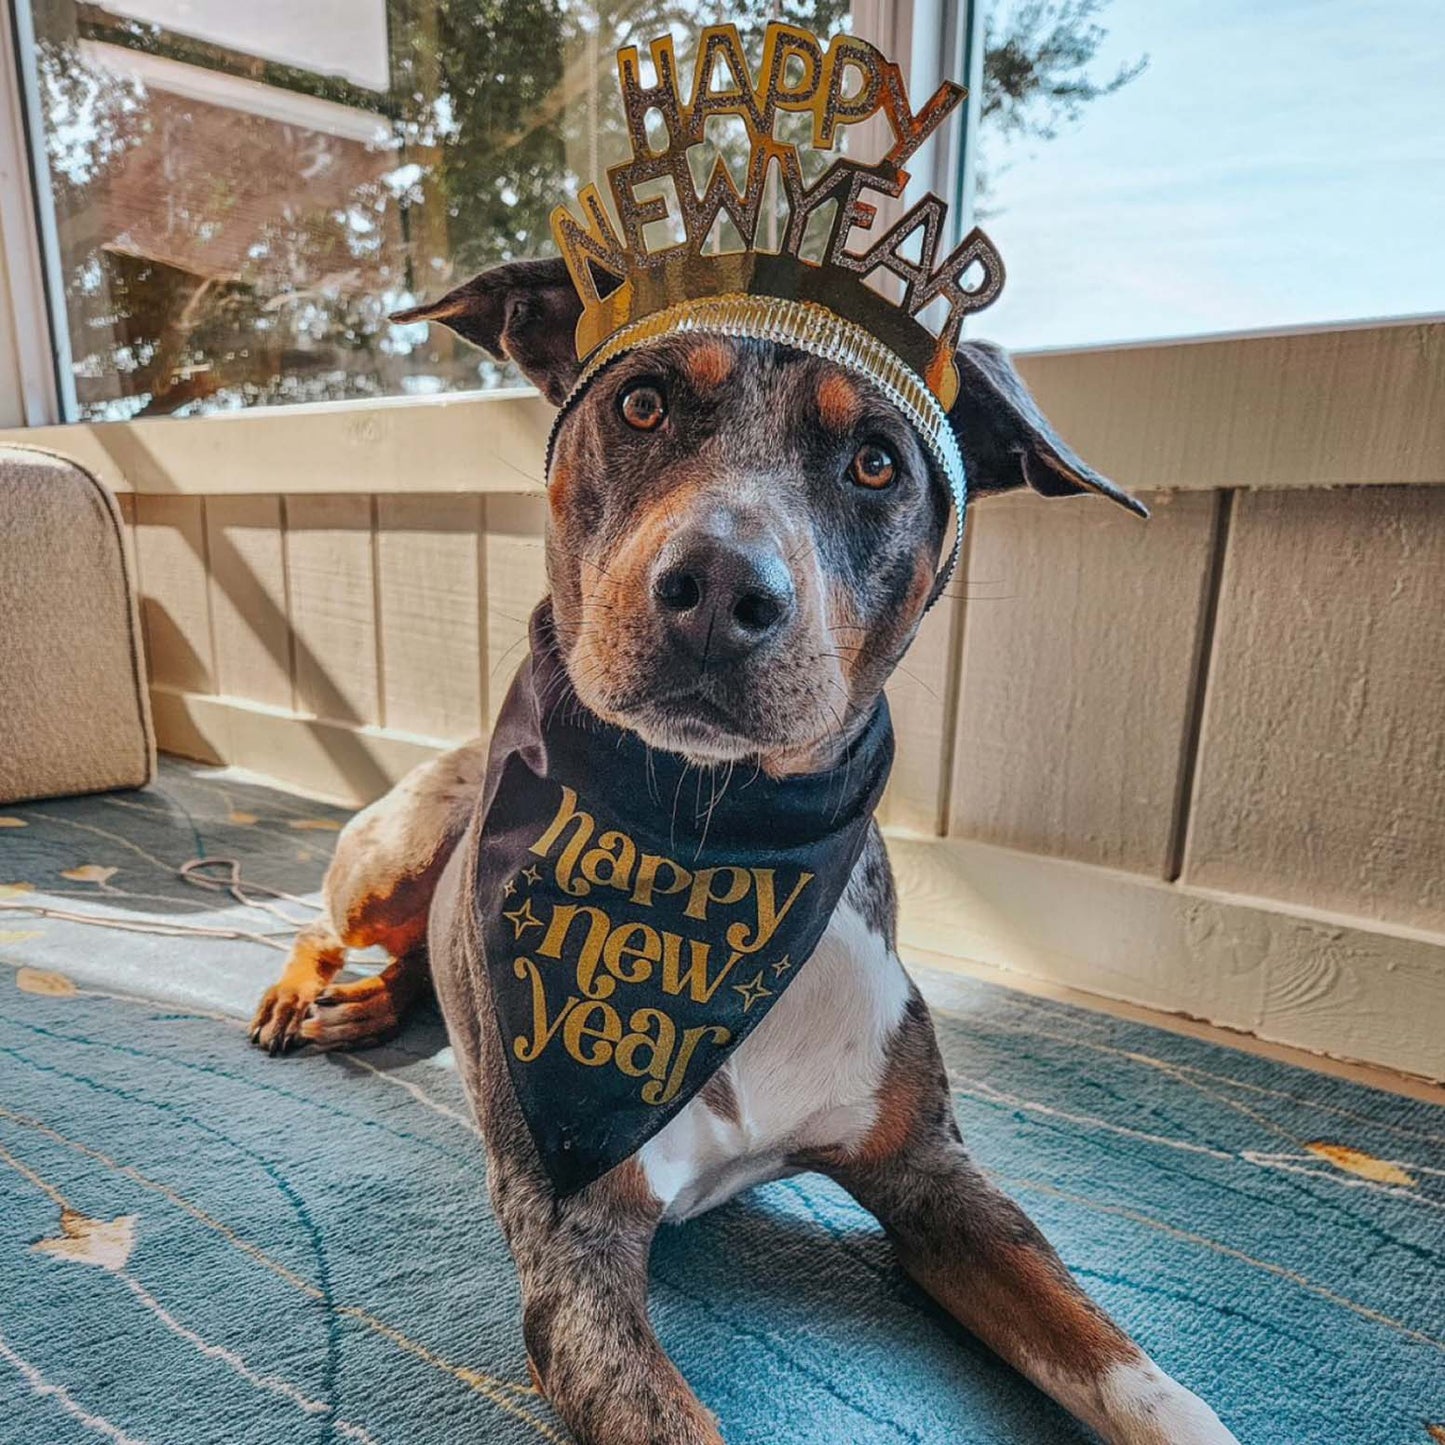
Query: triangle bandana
x,y
641,915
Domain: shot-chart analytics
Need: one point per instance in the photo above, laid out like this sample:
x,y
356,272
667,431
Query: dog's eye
x,y
873,467
643,407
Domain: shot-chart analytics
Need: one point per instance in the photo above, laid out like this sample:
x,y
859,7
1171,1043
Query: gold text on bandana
x,y
604,988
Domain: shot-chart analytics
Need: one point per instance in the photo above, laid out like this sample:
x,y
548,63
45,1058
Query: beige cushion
x,y
73,711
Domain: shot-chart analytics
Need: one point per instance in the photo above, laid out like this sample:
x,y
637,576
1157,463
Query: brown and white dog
x,y
742,542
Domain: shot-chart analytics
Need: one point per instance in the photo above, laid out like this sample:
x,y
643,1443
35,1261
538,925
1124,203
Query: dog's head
x,y
743,537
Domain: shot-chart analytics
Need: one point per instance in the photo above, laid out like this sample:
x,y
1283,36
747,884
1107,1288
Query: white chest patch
x,y
807,1076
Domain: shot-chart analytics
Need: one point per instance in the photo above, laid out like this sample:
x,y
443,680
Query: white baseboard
x,y
338,762
1348,988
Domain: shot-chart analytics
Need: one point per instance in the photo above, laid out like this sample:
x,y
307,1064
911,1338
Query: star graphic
x,y
782,966
523,918
510,889
752,992
82,1240
532,874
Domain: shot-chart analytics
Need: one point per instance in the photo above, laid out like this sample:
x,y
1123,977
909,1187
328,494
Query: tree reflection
x,y
234,232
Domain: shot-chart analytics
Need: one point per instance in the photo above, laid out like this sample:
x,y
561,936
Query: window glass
x,y
242,192
1156,170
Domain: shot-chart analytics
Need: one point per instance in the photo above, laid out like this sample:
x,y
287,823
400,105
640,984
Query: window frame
x,y
38,351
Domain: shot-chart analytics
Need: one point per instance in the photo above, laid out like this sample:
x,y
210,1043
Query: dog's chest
x,y
807,1077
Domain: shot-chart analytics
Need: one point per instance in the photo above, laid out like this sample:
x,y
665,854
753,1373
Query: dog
x,y
741,544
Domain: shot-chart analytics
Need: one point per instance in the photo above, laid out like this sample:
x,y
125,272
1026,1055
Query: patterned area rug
x,y
202,1245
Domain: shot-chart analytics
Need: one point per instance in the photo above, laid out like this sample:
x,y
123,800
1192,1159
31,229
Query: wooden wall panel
x,y
516,581
170,543
431,601
1321,776
919,697
332,587
1303,409
341,762
1080,652
1073,639
248,599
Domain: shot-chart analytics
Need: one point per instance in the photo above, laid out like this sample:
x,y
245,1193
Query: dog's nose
x,y
721,597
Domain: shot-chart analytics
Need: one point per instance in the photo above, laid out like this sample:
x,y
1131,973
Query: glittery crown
x,y
622,279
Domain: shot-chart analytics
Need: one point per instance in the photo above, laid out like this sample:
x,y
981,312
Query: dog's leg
x,y
976,1252
592,1350
582,1261
304,1006
377,892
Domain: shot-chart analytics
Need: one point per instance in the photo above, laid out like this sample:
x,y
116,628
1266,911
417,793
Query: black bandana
x,y
640,915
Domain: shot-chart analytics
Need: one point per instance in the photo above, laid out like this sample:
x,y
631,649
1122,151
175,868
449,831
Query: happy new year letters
x,y
842,84
626,953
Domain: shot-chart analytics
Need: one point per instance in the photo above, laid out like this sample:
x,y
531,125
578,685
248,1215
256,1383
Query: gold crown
x,y
632,293
798,75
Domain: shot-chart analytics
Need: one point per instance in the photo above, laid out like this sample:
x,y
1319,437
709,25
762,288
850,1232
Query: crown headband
x,y
632,293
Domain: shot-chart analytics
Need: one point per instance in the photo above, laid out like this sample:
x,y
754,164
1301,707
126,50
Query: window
x,y
1263,164
242,192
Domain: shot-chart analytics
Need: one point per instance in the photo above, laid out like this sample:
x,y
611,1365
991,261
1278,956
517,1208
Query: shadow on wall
x,y
223,565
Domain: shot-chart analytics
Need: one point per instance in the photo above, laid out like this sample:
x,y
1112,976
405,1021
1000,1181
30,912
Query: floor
x,y
199,1244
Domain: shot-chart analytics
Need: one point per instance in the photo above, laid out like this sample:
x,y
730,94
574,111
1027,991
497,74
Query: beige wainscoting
x,y
1197,764
332,640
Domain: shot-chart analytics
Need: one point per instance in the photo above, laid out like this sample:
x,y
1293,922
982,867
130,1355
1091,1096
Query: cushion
x,y
74,716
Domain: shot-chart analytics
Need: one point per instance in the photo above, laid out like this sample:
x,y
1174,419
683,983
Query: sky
x,y
1279,163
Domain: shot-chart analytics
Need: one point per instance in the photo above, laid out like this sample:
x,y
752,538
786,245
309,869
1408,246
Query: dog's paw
x,y
353,1015
276,1027
1144,1406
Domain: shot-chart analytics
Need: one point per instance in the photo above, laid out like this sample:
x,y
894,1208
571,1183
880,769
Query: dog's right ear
x,y
524,311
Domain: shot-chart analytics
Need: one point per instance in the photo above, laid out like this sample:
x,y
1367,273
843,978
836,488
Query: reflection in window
x,y
244,191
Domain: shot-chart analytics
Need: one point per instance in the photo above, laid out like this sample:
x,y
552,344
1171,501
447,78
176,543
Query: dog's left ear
x,y
524,311
1005,439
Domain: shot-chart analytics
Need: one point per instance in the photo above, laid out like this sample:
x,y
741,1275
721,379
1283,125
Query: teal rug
x,y
202,1246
